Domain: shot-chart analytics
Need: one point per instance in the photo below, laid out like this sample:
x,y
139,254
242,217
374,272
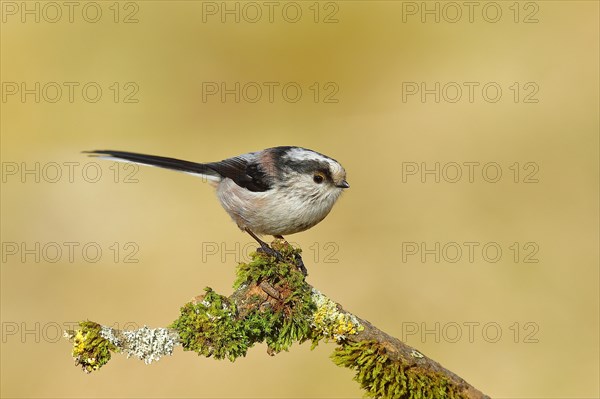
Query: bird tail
x,y
161,162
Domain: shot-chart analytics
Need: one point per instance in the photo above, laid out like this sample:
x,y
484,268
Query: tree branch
x,y
272,303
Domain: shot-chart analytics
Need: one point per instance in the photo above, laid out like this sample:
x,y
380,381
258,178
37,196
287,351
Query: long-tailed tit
x,y
276,191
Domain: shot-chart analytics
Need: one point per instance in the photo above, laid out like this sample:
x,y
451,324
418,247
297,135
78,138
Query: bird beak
x,y
343,184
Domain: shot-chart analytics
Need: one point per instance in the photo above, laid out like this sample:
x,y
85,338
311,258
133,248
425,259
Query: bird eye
x,y
318,178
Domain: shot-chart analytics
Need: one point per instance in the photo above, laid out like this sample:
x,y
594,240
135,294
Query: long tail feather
x,y
161,162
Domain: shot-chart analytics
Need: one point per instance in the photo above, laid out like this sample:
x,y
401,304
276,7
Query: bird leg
x,y
264,247
298,258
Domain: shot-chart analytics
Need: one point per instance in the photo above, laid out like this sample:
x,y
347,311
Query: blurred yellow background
x,y
399,98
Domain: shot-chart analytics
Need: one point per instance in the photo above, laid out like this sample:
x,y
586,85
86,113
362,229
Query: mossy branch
x,y
272,303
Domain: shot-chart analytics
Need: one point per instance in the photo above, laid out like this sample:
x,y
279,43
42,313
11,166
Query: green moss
x,y
209,328
90,350
265,268
215,327
382,377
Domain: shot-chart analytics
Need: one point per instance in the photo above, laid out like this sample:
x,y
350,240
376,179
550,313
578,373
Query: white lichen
x,y
109,334
417,354
147,344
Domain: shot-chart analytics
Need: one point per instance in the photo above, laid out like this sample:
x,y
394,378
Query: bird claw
x,y
300,265
267,250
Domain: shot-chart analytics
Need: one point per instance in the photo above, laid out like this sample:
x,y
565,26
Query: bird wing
x,y
244,171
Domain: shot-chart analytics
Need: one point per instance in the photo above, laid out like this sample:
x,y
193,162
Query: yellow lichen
x,y
330,322
90,350
79,342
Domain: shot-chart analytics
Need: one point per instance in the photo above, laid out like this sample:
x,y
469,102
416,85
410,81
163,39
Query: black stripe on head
x,y
302,160
310,167
282,151
279,152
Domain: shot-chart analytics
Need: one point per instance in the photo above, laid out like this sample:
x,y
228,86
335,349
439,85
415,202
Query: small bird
x,y
276,191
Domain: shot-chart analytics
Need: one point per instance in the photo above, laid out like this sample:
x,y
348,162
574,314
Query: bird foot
x,y
266,249
300,265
